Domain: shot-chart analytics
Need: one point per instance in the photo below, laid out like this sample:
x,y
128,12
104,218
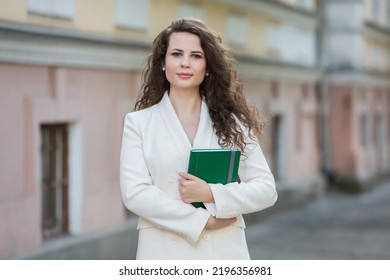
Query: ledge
x,y
39,45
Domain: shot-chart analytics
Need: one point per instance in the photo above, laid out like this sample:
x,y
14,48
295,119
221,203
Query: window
x,y
133,14
278,43
363,130
380,140
275,87
320,119
298,114
388,132
377,57
376,11
298,124
188,10
305,4
388,14
272,40
56,8
236,28
54,182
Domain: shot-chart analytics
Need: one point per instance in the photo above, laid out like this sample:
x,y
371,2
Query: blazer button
x,y
206,237
171,179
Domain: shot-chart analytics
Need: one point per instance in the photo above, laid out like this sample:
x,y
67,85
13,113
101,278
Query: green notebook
x,y
214,166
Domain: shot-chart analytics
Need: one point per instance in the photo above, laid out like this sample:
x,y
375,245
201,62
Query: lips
x,y
184,75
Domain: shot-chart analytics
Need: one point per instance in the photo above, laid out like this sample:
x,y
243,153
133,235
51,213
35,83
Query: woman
x,y
191,98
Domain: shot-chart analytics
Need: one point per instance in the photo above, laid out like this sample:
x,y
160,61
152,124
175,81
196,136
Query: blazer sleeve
x,y
142,197
255,192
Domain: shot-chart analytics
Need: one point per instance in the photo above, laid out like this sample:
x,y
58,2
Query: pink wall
x,y
296,103
93,103
351,155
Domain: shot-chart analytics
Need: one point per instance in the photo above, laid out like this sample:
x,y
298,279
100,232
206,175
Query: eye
x,y
197,56
176,54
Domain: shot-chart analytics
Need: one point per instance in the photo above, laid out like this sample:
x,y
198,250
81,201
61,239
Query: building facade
x,y
70,70
356,58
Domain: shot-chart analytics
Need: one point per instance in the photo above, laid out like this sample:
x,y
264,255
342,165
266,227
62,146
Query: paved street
x,y
334,226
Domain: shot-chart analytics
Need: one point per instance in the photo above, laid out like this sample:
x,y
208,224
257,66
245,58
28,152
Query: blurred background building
x,y
70,71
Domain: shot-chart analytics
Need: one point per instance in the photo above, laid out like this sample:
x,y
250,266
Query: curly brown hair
x,y
222,89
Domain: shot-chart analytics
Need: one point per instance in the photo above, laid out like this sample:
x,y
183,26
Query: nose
x,y
185,62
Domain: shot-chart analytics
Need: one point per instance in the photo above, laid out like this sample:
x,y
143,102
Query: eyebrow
x,y
197,52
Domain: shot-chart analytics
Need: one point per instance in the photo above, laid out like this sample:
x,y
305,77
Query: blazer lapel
x,y
204,135
174,128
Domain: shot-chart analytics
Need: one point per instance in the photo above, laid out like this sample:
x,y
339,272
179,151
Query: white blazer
x,y
155,148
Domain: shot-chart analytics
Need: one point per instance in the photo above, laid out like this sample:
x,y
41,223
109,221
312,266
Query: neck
x,y
185,102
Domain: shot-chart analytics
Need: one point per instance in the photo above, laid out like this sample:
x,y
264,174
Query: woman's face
x,y
185,62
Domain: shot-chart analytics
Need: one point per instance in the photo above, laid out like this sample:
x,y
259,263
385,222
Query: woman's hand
x,y
194,189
